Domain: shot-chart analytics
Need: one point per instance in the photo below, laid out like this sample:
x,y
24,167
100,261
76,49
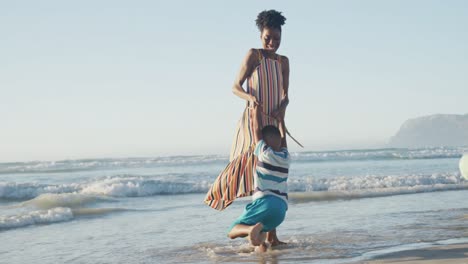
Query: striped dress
x,y
266,84
236,180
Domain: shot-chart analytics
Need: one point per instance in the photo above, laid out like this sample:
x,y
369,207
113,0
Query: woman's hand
x,y
257,112
253,101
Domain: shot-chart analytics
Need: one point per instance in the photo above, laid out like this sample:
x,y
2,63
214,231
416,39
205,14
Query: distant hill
x,y
433,130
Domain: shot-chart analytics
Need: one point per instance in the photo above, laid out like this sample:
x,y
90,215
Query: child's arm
x,y
281,111
256,119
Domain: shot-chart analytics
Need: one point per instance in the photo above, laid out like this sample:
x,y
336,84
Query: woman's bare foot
x,y
255,236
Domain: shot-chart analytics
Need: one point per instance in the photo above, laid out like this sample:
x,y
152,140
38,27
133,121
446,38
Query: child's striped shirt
x,y
271,173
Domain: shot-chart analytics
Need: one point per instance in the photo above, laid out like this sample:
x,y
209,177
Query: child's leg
x,y
253,232
273,238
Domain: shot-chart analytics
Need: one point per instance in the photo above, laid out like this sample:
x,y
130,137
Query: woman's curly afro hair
x,y
270,19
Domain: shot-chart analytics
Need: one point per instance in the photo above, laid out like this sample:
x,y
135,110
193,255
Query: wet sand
x,y
447,254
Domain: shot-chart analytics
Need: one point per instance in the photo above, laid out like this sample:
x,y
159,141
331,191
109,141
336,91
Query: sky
x,y
96,79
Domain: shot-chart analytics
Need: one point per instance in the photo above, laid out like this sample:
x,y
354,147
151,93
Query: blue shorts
x,y
268,210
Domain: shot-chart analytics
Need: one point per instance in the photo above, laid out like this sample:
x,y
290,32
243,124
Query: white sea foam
x,y
370,182
139,186
316,156
381,154
96,164
311,189
51,215
12,190
70,200
119,186
59,214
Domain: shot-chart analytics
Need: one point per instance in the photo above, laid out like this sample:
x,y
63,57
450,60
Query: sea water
x,y
344,206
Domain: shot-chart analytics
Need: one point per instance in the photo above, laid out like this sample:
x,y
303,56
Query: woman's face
x,y
271,39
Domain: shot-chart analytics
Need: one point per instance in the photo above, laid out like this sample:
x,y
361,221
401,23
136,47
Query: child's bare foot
x,y
276,242
262,248
262,237
255,236
273,238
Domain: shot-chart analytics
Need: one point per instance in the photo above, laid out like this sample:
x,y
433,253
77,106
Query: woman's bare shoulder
x,y
253,53
284,58
252,58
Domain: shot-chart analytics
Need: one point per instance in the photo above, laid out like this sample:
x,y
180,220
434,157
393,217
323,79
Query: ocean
x,y
345,206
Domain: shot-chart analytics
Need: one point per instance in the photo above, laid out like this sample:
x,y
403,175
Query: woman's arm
x,y
249,63
285,64
281,111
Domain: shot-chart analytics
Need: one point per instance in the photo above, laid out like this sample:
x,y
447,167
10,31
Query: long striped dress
x,y
236,180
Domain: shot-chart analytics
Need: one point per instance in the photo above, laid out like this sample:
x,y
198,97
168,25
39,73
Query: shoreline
x,y
453,251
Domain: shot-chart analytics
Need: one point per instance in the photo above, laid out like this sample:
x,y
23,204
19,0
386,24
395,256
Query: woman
x,y
267,76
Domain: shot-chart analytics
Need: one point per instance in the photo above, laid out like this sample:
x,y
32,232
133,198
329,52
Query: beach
x,y
449,254
351,206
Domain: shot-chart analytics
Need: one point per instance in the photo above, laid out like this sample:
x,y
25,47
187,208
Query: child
x,y
269,205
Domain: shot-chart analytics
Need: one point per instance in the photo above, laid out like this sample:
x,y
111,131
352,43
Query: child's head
x,y
272,137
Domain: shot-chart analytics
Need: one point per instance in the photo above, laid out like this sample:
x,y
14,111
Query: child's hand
x,y
279,114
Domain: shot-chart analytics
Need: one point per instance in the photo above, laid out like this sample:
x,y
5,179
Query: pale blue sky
x,y
88,79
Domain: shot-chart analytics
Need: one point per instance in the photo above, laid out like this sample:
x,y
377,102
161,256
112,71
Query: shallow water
x,y
151,211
